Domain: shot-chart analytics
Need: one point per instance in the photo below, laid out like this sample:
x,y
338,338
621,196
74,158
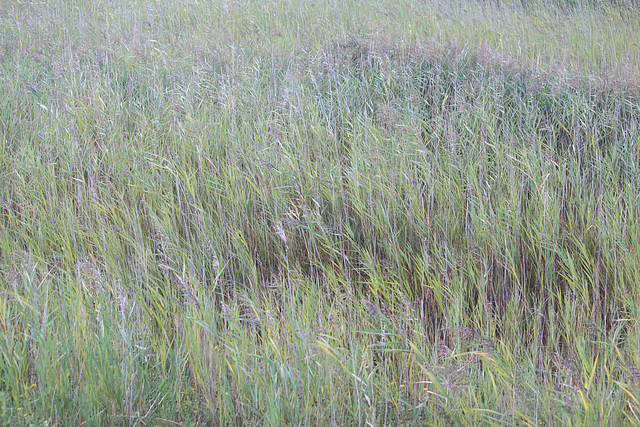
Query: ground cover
x,y
314,213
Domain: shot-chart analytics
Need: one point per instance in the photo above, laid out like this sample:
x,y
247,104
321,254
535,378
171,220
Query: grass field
x,y
319,212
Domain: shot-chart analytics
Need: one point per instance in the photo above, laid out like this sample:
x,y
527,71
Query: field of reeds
x,y
319,212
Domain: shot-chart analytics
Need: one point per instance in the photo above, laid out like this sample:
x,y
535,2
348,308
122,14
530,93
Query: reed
x,y
319,213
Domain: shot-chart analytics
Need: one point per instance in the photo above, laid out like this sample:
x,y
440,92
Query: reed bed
x,y
319,213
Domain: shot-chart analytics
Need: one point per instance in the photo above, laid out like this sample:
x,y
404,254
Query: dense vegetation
x,y
315,213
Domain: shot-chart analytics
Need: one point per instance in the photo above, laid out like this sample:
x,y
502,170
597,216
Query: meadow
x,y
319,212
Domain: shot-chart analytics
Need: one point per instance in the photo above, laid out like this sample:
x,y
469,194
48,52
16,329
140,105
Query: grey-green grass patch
x,y
319,213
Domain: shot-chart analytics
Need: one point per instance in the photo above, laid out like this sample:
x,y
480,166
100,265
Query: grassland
x,y
319,213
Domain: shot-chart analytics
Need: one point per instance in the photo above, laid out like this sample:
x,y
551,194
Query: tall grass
x,y
316,213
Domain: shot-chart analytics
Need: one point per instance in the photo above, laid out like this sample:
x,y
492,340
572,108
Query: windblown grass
x,y
316,213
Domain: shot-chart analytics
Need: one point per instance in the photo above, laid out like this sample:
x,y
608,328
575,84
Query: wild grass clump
x,y
329,213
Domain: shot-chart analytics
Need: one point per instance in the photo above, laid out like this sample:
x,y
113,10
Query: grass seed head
x,y
280,233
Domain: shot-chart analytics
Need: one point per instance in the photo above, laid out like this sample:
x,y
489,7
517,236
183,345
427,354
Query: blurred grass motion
x,y
319,213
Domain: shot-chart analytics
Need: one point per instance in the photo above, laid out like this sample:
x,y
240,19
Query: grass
x,y
314,213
